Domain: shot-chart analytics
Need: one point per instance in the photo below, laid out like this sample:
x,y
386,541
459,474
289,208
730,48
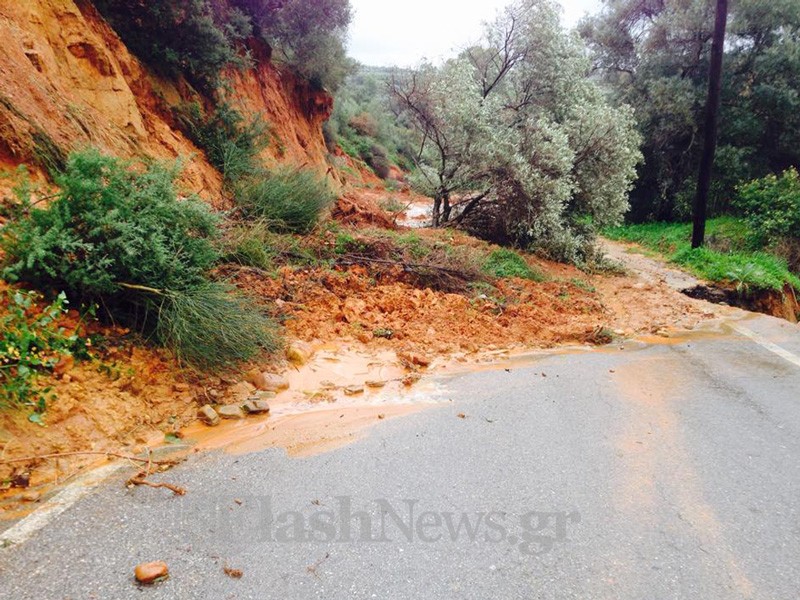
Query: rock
x,y
31,497
230,411
254,406
241,391
267,382
412,358
376,384
255,378
264,395
181,387
298,354
354,390
209,416
136,386
64,365
275,383
365,337
234,573
151,572
411,379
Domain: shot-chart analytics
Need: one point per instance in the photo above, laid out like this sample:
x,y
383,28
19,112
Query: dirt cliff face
x,y
67,81
294,111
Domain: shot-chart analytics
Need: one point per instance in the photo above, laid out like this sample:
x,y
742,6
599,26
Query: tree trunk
x,y
446,208
711,125
437,207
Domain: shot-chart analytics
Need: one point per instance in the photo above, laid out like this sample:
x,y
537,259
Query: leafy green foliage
x,y
119,236
772,207
196,38
32,343
248,245
747,269
110,225
655,57
231,142
310,36
289,200
516,143
507,263
201,38
364,126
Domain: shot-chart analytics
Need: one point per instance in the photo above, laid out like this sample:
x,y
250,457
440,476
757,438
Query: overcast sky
x,y
403,33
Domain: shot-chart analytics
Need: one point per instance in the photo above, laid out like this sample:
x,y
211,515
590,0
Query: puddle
x,y
417,215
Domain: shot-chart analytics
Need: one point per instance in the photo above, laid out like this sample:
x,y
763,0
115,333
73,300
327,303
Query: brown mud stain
x,y
302,434
657,466
316,414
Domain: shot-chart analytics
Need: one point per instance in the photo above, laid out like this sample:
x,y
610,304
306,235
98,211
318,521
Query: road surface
x,y
641,470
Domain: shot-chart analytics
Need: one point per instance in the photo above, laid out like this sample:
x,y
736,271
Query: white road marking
x,y
774,348
35,521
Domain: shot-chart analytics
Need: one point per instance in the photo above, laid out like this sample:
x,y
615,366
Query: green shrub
x,y
32,343
200,38
772,207
110,225
196,38
507,263
119,236
391,204
291,201
231,142
248,245
211,327
310,36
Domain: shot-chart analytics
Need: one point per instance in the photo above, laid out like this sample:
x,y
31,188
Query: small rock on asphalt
x,y
151,572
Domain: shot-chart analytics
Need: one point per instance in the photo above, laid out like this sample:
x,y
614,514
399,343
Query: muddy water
x,y
317,415
331,401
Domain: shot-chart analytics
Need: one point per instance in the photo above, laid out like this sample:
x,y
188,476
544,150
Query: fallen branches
x,y
141,479
355,259
8,461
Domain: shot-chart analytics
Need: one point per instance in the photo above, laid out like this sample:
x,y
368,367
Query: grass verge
x,y
726,259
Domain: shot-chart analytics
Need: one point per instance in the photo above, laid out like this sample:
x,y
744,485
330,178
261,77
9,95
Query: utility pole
x,y
711,125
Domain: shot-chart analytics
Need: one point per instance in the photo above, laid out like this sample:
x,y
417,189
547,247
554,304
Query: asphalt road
x,y
638,471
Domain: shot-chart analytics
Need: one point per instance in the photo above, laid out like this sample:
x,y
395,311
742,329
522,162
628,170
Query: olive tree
x,y
516,143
